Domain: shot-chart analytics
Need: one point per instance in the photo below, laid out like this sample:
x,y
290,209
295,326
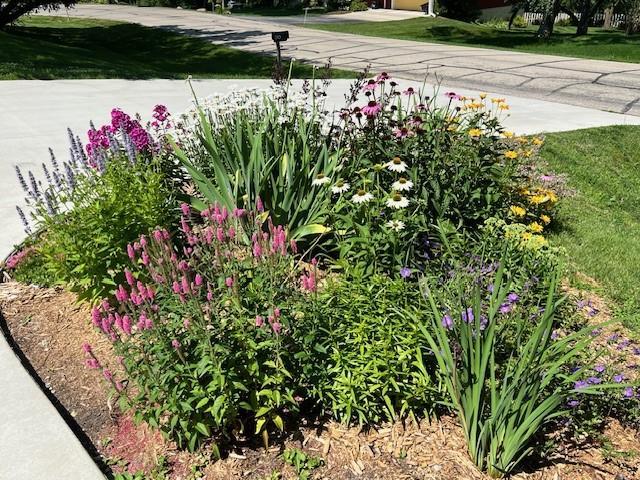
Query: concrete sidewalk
x,y
609,86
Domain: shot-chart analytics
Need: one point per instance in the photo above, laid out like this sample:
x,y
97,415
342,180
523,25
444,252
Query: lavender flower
x,y
24,220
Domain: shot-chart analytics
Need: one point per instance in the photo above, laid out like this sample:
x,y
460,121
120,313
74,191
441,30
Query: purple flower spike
x,y
467,315
447,322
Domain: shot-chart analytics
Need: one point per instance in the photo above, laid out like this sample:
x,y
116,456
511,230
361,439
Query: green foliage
x,y
301,462
85,247
520,22
358,6
269,156
503,398
372,363
31,269
227,348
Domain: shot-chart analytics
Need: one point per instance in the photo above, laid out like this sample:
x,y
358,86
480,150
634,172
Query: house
x,y
490,8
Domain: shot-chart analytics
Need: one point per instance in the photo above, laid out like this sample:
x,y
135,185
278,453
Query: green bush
x,y
372,364
520,22
85,247
358,6
465,10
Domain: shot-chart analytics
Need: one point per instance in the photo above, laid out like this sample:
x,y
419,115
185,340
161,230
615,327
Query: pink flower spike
x,y
126,324
293,245
131,252
186,209
186,323
107,374
129,276
143,241
92,363
228,282
277,327
86,348
259,205
259,321
198,280
175,344
276,312
119,386
176,287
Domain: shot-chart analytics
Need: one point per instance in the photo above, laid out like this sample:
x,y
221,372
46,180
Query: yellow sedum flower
x,y
535,227
517,211
510,154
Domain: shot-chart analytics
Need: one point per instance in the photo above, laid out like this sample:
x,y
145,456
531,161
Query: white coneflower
x,y
395,225
397,165
362,197
321,179
402,185
340,187
397,201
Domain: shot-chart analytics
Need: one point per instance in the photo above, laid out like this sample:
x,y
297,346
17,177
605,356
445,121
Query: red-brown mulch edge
x,y
48,328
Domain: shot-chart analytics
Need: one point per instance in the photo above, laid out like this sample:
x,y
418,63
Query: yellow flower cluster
x,y
540,196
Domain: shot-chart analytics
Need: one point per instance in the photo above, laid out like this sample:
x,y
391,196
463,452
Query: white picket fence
x,y
598,18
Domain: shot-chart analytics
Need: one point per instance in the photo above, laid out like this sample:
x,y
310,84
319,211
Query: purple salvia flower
x,y
35,191
54,161
24,220
23,184
71,177
47,175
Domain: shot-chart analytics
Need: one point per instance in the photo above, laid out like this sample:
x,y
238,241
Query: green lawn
x,y
601,224
56,47
599,44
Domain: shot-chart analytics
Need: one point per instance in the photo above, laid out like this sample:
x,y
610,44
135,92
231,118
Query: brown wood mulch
x,y
50,327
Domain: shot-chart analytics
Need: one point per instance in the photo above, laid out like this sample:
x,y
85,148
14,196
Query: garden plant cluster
x,y
261,258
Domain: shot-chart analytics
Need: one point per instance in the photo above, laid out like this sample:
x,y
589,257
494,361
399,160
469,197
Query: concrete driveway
x,y
609,86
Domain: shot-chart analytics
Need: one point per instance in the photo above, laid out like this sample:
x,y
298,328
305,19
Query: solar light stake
x,y
280,37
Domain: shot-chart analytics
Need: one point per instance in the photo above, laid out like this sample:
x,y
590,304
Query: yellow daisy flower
x,y
475,132
537,141
546,219
517,211
511,154
535,227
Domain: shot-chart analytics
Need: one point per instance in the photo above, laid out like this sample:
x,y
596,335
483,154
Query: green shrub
x,y
215,343
358,6
372,364
85,247
465,10
520,22
26,265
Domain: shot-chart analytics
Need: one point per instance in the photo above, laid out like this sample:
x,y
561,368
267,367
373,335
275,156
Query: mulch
x,y
50,326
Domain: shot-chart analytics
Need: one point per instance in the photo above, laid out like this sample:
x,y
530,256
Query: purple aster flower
x,y
405,272
554,335
618,378
595,332
505,308
599,368
594,380
513,297
580,384
628,392
447,322
490,288
573,403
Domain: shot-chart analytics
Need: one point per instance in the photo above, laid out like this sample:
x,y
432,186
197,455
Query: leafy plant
x,y
372,364
503,398
214,343
301,462
267,156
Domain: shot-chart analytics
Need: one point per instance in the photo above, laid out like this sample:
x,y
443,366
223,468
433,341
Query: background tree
x,y
11,10
465,10
632,11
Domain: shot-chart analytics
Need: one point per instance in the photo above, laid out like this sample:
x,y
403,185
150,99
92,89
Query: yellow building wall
x,y
408,4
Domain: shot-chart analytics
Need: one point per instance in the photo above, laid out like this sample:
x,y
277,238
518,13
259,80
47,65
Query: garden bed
x,y
50,327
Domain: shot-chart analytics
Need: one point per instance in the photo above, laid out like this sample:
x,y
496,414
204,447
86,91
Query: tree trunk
x,y
549,20
514,13
585,18
608,18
